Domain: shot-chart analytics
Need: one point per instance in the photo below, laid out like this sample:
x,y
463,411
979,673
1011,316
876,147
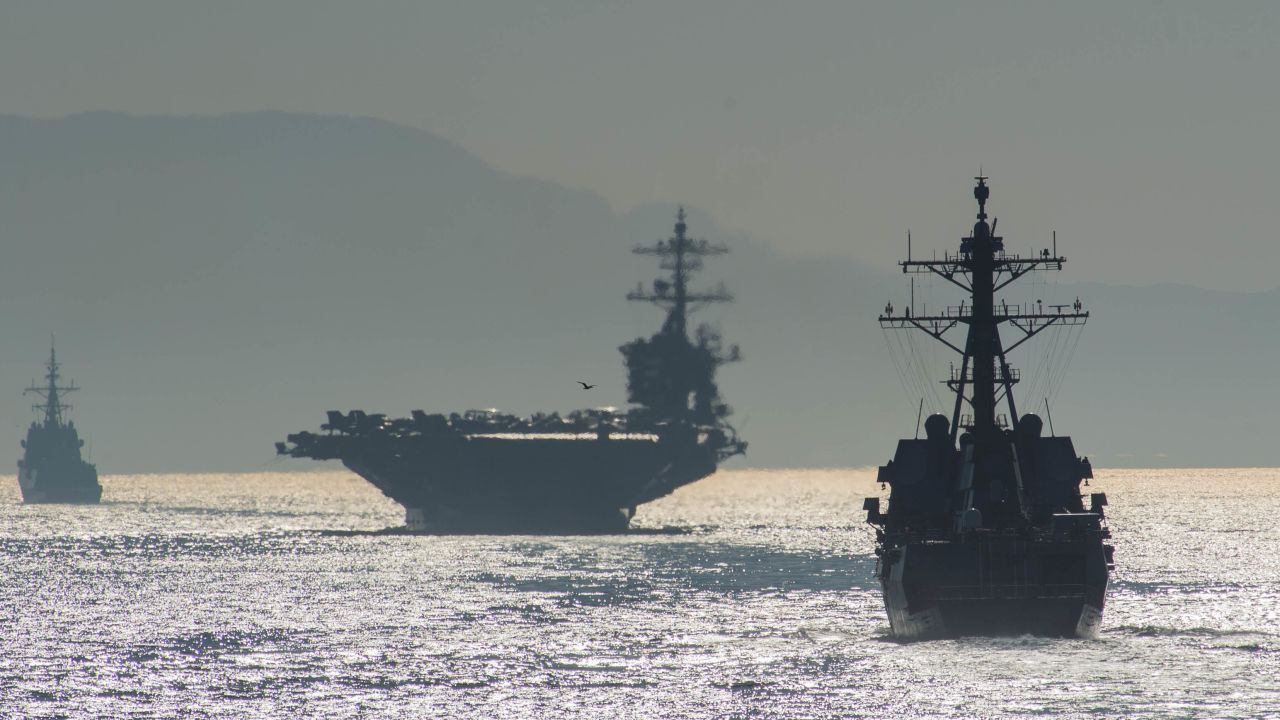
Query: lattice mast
x,y
53,409
681,255
982,268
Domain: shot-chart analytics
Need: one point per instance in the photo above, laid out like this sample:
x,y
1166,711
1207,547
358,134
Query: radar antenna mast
x,y
53,408
681,255
982,268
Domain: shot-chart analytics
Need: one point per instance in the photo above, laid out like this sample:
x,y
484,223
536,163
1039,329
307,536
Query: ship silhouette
x,y
51,469
584,472
986,531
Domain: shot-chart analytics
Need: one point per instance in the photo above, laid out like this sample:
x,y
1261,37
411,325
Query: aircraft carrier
x,y
587,471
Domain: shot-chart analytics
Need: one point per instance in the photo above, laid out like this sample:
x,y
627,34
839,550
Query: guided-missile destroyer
x,y
485,471
986,531
51,469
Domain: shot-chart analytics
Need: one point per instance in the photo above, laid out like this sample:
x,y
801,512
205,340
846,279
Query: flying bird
x,y
585,386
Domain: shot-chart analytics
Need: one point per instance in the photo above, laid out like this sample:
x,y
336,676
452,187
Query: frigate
x,y
52,469
986,531
585,471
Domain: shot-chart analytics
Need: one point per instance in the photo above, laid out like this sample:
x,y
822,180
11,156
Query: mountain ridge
x,y
217,282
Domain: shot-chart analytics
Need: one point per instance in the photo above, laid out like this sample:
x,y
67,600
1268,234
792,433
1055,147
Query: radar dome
x,y
936,427
1030,424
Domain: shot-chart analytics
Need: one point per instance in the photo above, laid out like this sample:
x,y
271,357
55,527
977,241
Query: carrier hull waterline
x,y
586,472
533,486
51,469
987,532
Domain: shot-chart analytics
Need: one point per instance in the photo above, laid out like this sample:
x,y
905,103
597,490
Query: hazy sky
x,y
1144,132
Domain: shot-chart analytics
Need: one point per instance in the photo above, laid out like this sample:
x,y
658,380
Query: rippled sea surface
x,y
749,594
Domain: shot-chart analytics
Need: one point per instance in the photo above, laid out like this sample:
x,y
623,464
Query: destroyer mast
x,y
52,408
990,537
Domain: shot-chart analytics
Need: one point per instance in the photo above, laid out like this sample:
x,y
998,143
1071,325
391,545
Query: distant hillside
x,y
218,282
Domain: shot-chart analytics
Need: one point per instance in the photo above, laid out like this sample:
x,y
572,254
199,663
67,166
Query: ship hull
x,y
470,485
75,485
994,587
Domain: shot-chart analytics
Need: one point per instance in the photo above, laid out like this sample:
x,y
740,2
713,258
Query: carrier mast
x,y
681,255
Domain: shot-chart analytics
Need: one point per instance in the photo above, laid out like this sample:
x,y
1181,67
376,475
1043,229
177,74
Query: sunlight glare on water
x,y
750,594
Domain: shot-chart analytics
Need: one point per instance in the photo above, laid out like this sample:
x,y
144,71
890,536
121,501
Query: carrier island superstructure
x,y
587,471
986,530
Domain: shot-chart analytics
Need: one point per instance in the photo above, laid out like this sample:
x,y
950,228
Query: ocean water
x,y
749,594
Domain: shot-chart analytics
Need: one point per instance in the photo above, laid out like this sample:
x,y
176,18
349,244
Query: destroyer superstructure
x,y
51,469
485,471
986,530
